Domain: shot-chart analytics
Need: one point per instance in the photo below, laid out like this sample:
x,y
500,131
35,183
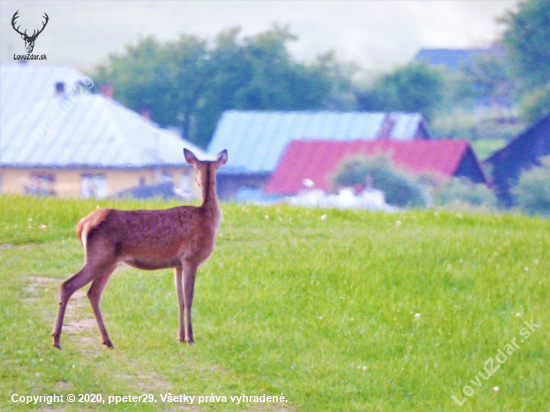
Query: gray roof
x,y
256,140
22,85
76,130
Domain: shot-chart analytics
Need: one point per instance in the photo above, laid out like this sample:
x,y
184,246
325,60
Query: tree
x,y
527,41
486,77
339,75
258,73
416,87
534,105
187,84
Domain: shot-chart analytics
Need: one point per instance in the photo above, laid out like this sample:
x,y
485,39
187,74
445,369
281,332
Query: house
x,y
73,143
257,140
449,58
500,102
522,153
313,161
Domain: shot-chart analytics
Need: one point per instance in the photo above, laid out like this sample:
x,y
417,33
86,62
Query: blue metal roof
x,y
76,130
256,140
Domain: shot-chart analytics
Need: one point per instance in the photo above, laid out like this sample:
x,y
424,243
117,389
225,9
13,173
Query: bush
x,y
532,191
378,171
461,193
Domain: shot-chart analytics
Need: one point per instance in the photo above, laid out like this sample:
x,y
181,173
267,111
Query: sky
x,y
376,34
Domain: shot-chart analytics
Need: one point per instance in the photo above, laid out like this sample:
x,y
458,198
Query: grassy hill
x,y
332,310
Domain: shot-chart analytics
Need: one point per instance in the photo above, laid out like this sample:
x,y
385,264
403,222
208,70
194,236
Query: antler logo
x,y
29,40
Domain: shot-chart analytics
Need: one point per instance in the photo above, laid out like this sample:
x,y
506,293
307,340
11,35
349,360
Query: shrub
x,y
461,193
378,171
532,191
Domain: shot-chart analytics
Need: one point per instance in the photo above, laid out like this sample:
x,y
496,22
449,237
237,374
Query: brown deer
x,y
181,238
29,40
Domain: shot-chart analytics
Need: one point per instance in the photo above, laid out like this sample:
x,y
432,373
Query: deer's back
x,y
151,239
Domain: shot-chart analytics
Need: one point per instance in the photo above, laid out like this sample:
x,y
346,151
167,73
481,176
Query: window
x,y
165,177
186,185
41,185
93,186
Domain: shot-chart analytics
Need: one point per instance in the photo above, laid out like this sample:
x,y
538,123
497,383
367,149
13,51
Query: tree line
x,y
189,82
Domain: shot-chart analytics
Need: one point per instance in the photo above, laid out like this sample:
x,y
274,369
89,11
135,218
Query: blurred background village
x,y
455,127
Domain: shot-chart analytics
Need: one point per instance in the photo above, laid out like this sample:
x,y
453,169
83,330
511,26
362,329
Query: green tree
x,y
486,77
416,87
167,79
339,75
527,41
188,84
132,74
534,105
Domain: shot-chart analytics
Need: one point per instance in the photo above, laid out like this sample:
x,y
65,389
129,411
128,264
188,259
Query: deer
x,y
29,40
181,238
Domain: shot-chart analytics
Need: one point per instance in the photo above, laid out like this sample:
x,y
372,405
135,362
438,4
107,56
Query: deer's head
x,y
203,168
29,40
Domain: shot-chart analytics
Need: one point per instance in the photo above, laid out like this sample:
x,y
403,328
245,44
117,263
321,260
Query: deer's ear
x,y
190,157
222,158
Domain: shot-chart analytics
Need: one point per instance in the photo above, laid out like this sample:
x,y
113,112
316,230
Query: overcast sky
x,y
376,34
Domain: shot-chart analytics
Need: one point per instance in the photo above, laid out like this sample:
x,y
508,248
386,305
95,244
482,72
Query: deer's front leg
x,y
178,280
189,272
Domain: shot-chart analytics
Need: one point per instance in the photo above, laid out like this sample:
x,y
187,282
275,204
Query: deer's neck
x,y
209,196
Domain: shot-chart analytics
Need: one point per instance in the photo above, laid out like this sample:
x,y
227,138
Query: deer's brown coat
x,y
181,238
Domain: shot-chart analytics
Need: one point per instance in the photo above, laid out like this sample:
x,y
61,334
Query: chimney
x,y
107,90
145,112
59,89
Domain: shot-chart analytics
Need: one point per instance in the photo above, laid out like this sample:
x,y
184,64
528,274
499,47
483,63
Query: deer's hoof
x,y
190,342
108,344
57,345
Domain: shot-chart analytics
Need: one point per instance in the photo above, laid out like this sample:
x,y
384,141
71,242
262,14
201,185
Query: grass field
x,y
335,310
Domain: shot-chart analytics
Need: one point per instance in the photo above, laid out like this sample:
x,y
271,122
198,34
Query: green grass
x,y
320,310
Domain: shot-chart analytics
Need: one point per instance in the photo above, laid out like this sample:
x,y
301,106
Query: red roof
x,y
316,159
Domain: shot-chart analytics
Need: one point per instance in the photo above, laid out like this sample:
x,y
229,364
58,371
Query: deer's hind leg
x,y
85,275
94,296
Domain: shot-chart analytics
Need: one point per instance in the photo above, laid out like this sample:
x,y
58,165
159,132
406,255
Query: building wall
x,y
67,182
228,185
